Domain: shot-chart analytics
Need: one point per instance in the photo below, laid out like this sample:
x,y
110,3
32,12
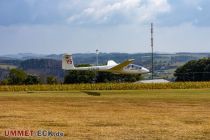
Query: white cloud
x,y
199,8
119,11
105,12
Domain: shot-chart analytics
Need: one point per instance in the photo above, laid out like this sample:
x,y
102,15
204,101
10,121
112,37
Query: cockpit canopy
x,y
133,67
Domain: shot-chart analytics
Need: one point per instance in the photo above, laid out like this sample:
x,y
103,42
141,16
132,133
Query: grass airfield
x,y
115,114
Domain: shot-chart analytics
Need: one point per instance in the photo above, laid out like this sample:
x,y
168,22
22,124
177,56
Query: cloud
x,y
22,12
79,12
194,12
119,11
104,12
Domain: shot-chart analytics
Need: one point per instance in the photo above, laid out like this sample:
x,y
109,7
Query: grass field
x,y
6,66
138,114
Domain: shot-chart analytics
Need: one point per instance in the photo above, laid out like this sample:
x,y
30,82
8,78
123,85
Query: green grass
x,y
114,114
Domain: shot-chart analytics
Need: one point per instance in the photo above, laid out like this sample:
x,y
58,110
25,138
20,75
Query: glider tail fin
x,y
111,63
67,62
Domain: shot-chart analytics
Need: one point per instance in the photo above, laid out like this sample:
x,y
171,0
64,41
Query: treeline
x,y
195,70
98,77
20,77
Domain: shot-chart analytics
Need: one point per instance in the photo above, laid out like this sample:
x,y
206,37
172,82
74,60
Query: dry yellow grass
x,y
141,114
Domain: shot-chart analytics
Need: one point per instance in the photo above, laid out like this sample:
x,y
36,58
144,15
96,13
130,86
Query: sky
x,y
82,26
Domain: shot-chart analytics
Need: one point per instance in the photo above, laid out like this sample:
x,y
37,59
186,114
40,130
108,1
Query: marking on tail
x,y
68,60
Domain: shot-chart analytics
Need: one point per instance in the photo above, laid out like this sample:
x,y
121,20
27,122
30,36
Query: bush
x,y
19,77
16,77
31,80
51,80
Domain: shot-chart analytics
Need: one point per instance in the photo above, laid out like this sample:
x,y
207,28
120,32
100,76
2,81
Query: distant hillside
x,y
43,68
90,58
26,56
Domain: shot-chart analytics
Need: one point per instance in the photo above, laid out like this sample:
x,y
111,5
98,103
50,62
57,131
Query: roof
x,y
153,81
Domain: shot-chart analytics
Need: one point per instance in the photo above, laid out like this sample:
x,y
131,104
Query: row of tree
x,y
20,77
98,77
195,70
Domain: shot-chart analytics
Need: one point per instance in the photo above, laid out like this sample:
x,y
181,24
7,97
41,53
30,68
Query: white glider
x,y
123,68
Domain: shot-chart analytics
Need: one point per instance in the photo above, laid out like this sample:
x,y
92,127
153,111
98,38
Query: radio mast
x,y
97,51
152,47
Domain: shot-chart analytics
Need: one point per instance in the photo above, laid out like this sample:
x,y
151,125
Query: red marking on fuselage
x,y
69,61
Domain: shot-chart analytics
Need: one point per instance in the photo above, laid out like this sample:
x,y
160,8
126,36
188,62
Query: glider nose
x,y
145,70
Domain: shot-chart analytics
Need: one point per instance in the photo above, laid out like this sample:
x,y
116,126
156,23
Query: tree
x,y
16,77
111,77
4,82
74,76
98,77
195,70
207,73
31,80
19,77
51,80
